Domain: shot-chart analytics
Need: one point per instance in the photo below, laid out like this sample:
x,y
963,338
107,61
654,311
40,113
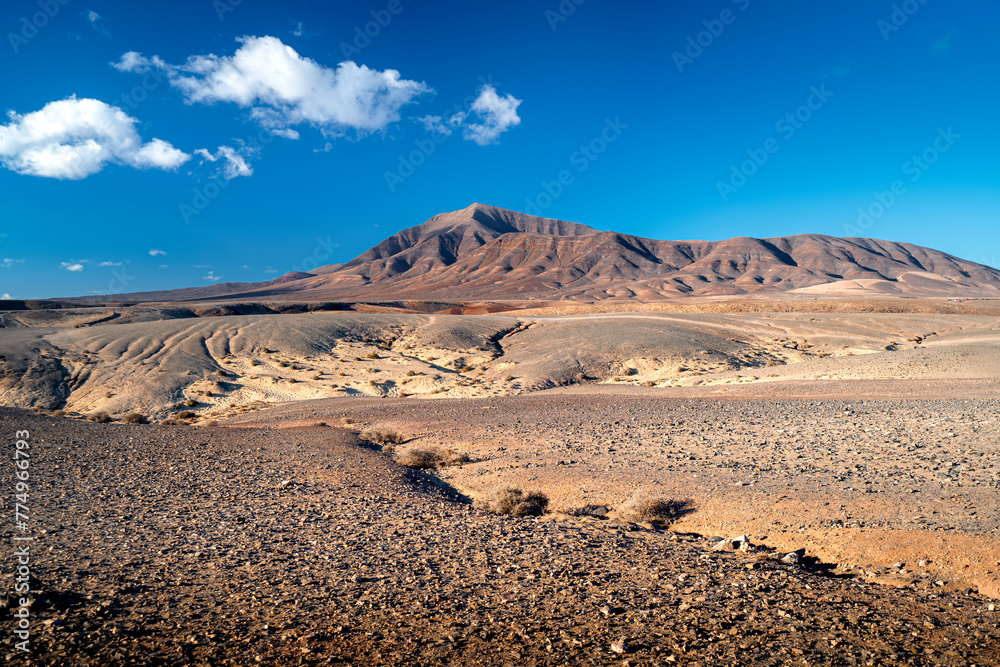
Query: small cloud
x,y
71,266
110,264
8,262
162,266
201,266
287,133
6,296
496,114
246,267
154,252
942,47
436,124
211,277
96,21
234,165
327,147
300,31
270,270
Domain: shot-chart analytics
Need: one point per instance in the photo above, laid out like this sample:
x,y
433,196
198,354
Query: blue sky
x,y
158,145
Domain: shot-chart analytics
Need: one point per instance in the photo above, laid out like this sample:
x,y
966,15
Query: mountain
x,y
485,253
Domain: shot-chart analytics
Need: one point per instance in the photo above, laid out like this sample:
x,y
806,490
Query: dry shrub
x,y
466,369
644,506
431,459
99,417
425,459
381,437
135,418
190,403
513,501
372,355
186,414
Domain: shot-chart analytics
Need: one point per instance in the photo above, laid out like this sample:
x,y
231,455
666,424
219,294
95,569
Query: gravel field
x,y
169,545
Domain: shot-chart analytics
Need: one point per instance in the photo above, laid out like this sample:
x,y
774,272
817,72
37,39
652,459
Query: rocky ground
x,y
863,483
232,546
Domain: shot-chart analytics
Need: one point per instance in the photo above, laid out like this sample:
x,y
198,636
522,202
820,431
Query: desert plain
x,y
828,471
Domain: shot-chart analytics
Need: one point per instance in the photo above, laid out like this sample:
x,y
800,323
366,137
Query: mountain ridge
x,y
487,253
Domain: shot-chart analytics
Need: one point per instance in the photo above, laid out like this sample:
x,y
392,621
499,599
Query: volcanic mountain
x,y
485,253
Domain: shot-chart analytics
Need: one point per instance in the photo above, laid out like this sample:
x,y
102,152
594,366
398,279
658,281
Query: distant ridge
x,y
486,253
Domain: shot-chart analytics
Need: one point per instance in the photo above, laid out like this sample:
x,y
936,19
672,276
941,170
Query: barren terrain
x,y
251,523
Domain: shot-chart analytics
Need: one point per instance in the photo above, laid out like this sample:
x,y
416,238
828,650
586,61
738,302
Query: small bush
x,y
281,364
643,506
425,459
190,403
186,414
466,369
515,502
410,374
221,373
381,437
254,362
99,418
372,355
135,418
389,449
320,424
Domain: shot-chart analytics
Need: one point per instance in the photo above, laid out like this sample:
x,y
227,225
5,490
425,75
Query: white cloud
x,y
287,133
211,277
110,264
8,262
282,88
436,124
6,296
96,21
154,252
75,138
162,266
71,266
496,115
234,164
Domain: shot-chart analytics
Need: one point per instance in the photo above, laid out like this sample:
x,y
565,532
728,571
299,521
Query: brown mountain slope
x,y
489,253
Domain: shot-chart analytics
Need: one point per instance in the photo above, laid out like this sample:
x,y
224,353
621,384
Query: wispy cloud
x,y
154,252
282,88
110,264
72,266
8,262
75,138
233,164
96,22
489,116
211,277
